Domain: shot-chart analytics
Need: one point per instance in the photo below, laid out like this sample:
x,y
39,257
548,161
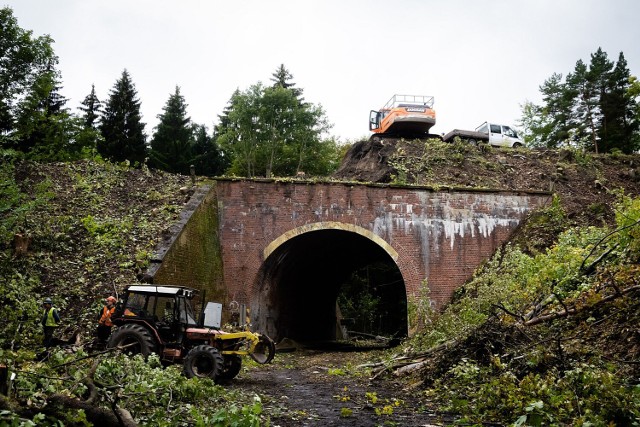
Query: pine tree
x,y
557,109
207,156
121,127
281,78
598,76
170,146
91,109
618,109
584,118
42,122
596,108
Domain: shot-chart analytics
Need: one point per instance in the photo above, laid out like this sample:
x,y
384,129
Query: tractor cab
x,y
166,309
159,303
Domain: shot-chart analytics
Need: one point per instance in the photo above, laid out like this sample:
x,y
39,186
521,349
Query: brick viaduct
x,y
284,248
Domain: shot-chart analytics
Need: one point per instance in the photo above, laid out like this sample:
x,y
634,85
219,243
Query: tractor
x,y
160,319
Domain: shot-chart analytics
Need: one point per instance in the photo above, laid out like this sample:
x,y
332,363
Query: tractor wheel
x,y
136,339
231,368
264,351
203,361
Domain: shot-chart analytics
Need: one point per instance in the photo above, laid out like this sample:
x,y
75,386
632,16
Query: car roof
x,y
166,290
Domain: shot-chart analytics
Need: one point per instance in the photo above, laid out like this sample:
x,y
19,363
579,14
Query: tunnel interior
x,y
315,278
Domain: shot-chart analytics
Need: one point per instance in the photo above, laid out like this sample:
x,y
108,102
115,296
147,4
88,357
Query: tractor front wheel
x,y
232,365
203,361
133,339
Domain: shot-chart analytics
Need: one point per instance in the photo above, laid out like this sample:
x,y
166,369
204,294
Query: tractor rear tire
x,y
136,339
231,368
265,350
203,361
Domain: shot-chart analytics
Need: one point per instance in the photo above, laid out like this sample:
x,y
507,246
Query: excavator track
x,y
392,138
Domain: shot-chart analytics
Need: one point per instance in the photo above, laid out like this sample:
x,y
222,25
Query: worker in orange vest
x,y
105,323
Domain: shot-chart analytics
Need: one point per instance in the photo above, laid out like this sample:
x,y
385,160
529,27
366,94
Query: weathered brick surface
x,y
190,253
437,236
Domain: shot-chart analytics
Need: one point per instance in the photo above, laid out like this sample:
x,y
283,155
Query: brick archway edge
x,y
329,225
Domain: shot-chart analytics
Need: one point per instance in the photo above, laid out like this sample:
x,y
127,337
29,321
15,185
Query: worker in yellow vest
x,y
50,321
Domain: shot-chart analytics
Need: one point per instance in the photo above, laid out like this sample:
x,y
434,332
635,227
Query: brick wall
x,y
190,255
438,236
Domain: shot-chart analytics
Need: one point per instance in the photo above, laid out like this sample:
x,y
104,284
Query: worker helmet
x,y
47,301
111,299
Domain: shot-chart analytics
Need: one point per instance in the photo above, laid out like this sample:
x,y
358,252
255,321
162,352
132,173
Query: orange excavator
x,y
409,116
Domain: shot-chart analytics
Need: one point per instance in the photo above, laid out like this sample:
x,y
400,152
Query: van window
x,y
495,129
509,132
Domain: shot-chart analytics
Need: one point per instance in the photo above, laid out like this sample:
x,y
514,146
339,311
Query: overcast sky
x,y
479,59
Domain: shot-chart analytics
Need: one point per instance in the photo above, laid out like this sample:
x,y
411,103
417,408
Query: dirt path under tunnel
x,y
314,388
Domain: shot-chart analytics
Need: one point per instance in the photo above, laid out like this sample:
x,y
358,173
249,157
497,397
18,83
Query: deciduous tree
x,y
269,131
23,60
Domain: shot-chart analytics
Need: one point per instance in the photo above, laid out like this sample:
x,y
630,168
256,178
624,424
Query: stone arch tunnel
x,y
286,249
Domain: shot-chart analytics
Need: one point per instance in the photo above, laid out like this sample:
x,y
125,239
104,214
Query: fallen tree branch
x,y
590,269
410,368
510,313
89,356
60,404
617,230
402,363
573,310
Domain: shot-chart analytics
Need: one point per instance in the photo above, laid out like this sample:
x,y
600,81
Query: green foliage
x,y
584,395
107,232
171,143
346,412
16,207
94,247
91,109
269,131
207,156
419,308
33,118
24,59
375,299
628,222
410,169
177,401
512,287
178,144
122,127
595,108
512,279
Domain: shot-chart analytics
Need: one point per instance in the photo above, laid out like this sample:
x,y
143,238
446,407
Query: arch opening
x,y
310,284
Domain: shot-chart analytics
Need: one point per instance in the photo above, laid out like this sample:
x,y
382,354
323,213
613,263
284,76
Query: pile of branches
x,y
605,318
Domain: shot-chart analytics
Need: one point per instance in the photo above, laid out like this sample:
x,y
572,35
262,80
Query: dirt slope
x,y
582,181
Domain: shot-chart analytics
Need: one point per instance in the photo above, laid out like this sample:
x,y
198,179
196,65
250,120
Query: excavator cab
x,y
374,120
404,116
